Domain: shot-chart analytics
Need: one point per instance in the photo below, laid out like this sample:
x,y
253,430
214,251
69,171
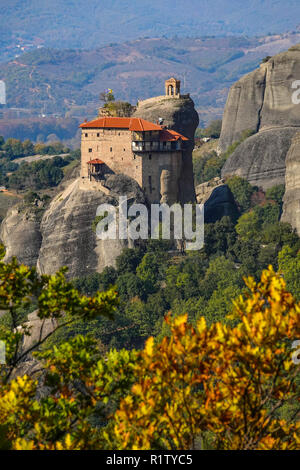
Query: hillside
x,y
68,82
81,24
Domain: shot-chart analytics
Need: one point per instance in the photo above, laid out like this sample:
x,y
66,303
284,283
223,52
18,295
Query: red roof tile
x,y
133,124
168,135
93,162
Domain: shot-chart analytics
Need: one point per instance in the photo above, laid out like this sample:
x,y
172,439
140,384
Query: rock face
x,y
262,102
39,329
261,158
178,114
21,236
263,99
218,200
291,201
64,235
219,204
204,190
66,228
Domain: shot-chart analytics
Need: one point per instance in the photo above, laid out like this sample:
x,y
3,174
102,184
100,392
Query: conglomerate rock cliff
x,y
262,102
261,158
218,200
178,114
20,233
291,201
64,236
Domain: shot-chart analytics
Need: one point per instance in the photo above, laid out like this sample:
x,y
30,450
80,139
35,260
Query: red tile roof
x,y
96,161
168,135
133,124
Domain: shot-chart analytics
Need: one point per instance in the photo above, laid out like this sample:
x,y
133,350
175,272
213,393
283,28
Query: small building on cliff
x,y
143,150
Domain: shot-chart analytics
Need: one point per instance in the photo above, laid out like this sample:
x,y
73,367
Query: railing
x,y
145,146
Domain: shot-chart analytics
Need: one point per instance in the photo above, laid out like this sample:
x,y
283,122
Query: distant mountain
x,y
68,82
90,24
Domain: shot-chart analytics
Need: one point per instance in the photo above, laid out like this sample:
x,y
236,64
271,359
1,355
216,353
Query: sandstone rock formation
x,y
39,330
20,234
291,201
218,200
66,228
261,158
263,98
204,190
64,236
178,114
20,231
262,102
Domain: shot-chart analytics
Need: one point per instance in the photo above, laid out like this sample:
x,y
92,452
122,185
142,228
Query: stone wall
x,y
113,146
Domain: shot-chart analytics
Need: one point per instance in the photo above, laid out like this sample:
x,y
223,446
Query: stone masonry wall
x,y
113,147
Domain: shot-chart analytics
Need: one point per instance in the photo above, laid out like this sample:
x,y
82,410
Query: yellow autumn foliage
x,y
229,382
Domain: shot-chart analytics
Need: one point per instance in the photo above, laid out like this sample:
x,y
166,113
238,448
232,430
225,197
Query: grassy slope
x,y
69,81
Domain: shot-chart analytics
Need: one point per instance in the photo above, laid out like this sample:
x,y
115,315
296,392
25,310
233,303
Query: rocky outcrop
x,y
63,234
261,158
204,190
21,235
262,102
39,330
220,203
178,114
291,200
67,235
263,99
218,200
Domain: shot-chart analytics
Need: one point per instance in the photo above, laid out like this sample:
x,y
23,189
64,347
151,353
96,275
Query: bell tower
x,y
172,88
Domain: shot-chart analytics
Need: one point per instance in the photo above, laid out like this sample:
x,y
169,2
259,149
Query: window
x,y
98,134
90,150
111,149
86,134
150,156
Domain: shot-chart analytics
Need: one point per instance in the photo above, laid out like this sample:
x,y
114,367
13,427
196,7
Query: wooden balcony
x,y
146,146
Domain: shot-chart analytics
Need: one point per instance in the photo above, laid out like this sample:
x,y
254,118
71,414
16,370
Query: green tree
x,y
289,264
129,285
248,226
13,148
129,260
151,267
276,193
28,148
241,190
214,129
